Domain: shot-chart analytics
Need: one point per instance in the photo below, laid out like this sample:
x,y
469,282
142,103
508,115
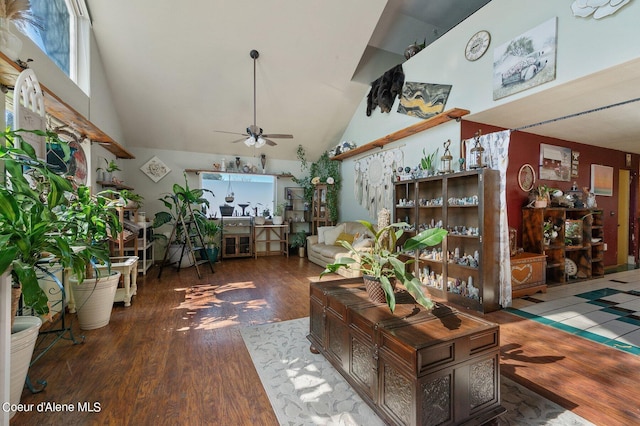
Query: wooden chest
x,y
412,367
528,274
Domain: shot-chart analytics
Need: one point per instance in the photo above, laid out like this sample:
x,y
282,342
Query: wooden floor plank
x,y
176,356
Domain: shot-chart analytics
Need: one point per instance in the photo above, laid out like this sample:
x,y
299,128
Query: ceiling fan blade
x,y
277,136
269,142
231,133
239,140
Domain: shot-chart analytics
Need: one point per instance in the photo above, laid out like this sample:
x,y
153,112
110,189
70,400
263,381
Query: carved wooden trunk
x,y
413,367
528,274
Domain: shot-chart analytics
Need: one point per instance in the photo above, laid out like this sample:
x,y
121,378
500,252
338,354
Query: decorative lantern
x,y
445,160
477,152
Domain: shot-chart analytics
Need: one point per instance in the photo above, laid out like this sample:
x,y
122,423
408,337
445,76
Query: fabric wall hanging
x,y
496,149
373,187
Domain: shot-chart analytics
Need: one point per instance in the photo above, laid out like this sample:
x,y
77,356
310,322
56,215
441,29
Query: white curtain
x,y
496,150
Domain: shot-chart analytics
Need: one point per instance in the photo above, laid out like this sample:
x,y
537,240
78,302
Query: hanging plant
x,y
325,170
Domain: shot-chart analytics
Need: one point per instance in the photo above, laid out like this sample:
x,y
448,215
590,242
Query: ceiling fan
x,y
254,136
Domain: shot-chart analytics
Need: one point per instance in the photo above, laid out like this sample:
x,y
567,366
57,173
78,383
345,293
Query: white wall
x,y
178,162
584,46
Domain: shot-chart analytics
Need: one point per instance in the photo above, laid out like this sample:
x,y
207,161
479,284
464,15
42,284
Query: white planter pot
x,y
174,256
259,220
278,220
94,300
24,334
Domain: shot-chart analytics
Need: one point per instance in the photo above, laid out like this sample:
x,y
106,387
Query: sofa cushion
x,y
331,252
321,231
330,235
344,237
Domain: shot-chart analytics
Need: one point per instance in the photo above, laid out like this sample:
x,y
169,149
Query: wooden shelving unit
x,y
465,204
297,211
585,250
9,71
436,120
320,215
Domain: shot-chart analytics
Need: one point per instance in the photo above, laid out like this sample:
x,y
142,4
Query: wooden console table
x,y
268,235
413,367
128,267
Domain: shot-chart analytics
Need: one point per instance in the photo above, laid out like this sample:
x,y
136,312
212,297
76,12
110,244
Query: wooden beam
x,y
9,71
436,120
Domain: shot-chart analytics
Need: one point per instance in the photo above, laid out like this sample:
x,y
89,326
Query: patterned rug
x,y
304,389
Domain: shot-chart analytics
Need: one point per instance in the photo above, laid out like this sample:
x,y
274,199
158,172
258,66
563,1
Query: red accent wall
x,y
525,148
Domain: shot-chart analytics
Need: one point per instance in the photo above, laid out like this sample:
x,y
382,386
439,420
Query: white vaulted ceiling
x,y
180,70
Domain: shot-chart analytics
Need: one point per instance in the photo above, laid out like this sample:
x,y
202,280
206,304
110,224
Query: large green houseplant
x,y
177,205
325,170
380,262
31,197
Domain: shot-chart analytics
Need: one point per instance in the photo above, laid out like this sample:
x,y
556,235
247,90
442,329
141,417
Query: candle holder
x,y
477,154
445,160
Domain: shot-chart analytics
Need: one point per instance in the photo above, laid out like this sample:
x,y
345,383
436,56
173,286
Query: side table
x,y
268,235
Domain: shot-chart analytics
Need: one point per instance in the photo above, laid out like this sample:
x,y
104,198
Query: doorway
x,y
623,218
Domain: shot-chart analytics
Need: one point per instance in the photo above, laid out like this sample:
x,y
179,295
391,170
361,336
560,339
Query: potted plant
x,y
132,199
177,205
91,221
380,263
427,163
107,171
541,195
299,240
18,12
278,218
210,230
30,196
325,170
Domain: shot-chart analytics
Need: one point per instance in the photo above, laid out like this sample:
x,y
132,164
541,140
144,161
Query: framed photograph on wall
x,y
555,163
602,180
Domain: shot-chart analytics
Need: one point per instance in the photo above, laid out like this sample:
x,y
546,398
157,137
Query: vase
x,y
24,334
374,289
94,300
263,161
10,44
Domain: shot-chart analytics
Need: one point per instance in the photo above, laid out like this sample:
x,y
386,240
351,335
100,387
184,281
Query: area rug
x,y
304,389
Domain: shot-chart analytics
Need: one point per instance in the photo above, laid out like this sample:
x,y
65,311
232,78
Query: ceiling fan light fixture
x,y
251,141
260,142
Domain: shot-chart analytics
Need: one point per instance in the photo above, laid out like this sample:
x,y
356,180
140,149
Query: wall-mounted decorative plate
x,y
570,267
526,177
155,169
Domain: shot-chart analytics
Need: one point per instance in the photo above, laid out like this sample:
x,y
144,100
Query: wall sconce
x,y
445,160
477,153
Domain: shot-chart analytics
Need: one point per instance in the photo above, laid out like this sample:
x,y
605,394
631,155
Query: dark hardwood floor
x,y
176,357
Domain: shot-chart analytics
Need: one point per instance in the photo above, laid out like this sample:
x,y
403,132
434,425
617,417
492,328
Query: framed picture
x,y
555,163
155,169
602,180
525,61
423,100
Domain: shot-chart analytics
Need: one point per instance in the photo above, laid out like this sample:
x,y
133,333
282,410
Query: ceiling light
x,y
260,143
250,141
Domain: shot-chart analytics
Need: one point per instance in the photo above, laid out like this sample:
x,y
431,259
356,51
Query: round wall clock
x,y
477,45
526,177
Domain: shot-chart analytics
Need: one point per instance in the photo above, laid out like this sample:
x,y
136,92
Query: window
x,y
64,36
54,38
250,191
